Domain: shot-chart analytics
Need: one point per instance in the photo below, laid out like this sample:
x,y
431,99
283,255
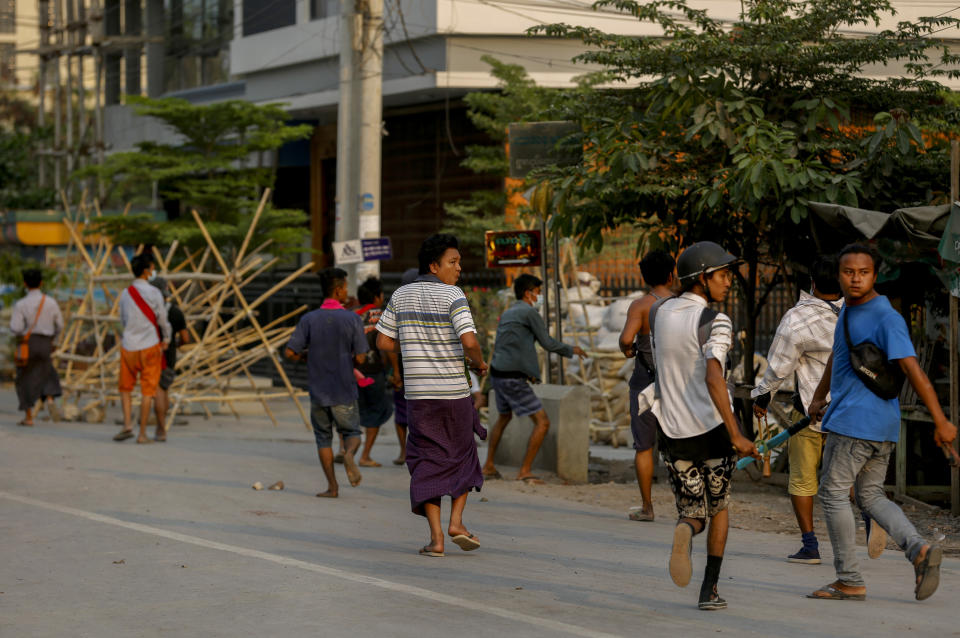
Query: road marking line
x,y
541,623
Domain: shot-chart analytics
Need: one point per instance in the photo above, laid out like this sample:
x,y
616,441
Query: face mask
x,y
152,276
538,304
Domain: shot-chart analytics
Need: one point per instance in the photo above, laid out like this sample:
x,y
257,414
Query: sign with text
x,y
537,144
356,251
512,248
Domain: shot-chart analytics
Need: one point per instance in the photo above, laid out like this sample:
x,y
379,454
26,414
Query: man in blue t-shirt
x,y
331,339
862,430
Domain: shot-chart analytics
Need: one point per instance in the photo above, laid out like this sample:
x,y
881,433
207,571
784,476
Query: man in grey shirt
x,y
514,366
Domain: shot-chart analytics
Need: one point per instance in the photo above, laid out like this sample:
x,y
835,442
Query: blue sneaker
x,y
806,556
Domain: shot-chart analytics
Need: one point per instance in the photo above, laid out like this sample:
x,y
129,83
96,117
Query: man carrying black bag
x,y
871,355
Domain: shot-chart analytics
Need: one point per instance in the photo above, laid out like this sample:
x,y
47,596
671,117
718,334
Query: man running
x,y
863,429
801,347
331,340
430,321
690,344
514,366
657,268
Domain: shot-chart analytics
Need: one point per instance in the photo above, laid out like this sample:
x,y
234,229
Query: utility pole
x,y
371,129
359,127
347,224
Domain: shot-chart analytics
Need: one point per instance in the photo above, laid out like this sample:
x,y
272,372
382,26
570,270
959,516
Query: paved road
x,y
104,539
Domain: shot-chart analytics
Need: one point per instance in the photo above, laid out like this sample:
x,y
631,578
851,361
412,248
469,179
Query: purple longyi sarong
x,y
441,451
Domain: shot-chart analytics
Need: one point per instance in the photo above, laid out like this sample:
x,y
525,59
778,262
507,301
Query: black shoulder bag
x,y
881,376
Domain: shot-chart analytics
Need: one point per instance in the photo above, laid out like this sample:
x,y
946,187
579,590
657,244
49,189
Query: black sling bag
x,y
881,376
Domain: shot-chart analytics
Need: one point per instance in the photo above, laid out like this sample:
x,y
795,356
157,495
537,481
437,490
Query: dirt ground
x,y
755,504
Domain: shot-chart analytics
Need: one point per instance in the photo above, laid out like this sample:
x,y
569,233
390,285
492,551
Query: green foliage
x,y
728,130
12,265
19,139
217,168
732,130
518,100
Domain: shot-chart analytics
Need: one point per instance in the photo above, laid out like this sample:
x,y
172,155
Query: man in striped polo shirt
x,y
429,322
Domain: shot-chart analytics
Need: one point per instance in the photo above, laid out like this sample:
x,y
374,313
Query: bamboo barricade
x,y
226,334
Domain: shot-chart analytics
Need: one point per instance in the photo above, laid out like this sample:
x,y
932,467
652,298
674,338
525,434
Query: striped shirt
x,y
428,317
802,344
685,409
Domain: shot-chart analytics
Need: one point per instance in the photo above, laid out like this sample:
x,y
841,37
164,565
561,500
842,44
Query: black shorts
x,y
642,426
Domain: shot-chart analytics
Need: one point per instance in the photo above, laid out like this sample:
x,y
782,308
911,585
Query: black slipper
x,y
123,435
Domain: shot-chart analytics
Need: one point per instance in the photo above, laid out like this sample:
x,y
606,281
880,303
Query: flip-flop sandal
x,y
829,592
123,435
426,551
24,423
929,573
532,480
399,461
680,566
493,475
466,542
338,458
160,439
369,464
144,442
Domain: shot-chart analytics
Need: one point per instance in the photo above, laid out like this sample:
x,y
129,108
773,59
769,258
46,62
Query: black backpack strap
x,y
651,319
705,325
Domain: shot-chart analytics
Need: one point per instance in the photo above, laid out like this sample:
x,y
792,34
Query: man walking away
x,y
657,268
863,428
180,336
690,344
430,321
400,416
36,321
331,340
515,366
375,406
800,350
146,334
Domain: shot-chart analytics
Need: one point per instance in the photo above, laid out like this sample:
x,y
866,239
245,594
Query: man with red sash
x,y
146,334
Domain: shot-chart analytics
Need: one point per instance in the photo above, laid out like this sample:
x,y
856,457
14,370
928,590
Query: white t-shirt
x,y
685,408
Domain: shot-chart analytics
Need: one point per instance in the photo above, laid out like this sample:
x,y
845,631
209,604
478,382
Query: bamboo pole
x,y
253,320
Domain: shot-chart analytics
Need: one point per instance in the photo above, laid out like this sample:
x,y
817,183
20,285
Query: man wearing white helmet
x,y
700,436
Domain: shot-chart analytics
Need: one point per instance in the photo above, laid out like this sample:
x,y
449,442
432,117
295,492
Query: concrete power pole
x,y
359,127
371,128
346,225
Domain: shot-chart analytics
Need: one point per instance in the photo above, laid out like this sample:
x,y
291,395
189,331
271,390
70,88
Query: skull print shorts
x,y
701,488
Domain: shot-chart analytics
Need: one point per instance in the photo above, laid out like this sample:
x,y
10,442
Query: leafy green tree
x,y
728,130
219,166
519,99
19,139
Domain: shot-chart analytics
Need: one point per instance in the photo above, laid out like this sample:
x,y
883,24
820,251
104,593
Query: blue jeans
x,y
863,464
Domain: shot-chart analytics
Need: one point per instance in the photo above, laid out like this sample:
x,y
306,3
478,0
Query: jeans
x,y
345,418
855,462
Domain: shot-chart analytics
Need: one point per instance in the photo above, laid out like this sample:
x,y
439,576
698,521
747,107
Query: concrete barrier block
x,y
566,449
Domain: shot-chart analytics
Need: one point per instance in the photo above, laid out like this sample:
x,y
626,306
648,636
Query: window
x,y
8,16
198,34
266,15
8,63
320,9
